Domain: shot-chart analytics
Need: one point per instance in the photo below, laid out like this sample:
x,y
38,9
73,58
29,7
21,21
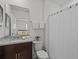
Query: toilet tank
x,y
38,45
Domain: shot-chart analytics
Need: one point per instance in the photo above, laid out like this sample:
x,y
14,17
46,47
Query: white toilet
x,y
41,54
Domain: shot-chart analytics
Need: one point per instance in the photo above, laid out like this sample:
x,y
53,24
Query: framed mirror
x,y
1,16
8,23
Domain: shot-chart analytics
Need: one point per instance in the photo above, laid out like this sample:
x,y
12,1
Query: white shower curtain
x,y
63,34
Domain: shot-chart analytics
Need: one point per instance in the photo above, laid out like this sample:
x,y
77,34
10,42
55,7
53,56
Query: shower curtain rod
x,y
69,7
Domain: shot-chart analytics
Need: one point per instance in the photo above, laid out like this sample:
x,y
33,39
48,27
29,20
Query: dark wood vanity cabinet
x,y
18,51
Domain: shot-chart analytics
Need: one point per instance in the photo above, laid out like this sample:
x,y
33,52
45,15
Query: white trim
x,y
68,7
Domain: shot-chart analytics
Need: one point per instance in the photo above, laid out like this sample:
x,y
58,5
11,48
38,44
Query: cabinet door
x,y
27,53
19,51
10,52
24,50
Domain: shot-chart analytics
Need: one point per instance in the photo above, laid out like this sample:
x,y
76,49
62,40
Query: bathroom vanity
x,y
16,50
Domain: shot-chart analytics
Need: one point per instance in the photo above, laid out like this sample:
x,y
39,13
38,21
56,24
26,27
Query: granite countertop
x,y
9,41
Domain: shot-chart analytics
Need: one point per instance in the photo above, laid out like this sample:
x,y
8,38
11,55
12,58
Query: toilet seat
x,y
42,54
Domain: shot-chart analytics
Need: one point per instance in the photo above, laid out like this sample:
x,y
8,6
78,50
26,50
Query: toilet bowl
x,y
41,54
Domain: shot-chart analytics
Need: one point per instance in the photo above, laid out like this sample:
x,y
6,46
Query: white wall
x,y
63,35
49,7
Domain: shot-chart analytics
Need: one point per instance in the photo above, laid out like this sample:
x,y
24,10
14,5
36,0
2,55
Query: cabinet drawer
x,y
23,47
19,47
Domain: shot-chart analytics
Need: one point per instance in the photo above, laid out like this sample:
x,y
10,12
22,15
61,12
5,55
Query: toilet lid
x,y
42,54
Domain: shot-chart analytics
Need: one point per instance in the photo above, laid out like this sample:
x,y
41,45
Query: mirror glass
x,y
17,20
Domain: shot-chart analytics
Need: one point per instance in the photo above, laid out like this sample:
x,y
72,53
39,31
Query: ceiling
x,y
63,2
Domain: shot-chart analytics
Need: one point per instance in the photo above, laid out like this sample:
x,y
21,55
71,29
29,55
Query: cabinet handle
x,y
16,56
19,55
